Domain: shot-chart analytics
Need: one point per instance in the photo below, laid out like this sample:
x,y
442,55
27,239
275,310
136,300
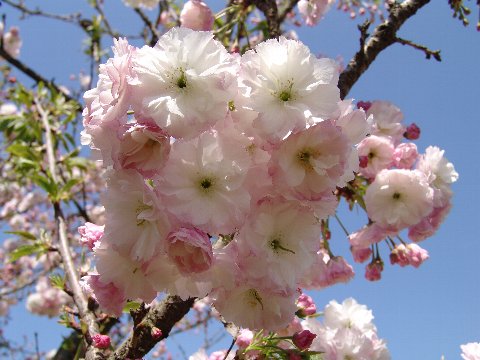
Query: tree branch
x,y
270,10
71,18
286,10
34,75
428,53
162,316
153,30
384,35
85,314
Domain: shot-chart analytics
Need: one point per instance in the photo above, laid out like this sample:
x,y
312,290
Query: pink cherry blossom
x,y
12,41
311,162
373,271
429,224
360,254
379,153
399,198
286,85
184,83
399,255
416,255
190,249
91,234
244,338
387,120
405,155
306,306
111,298
312,11
338,270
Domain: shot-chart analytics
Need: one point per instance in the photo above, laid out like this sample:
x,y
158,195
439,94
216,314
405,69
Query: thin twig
x,y
105,21
153,30
286,10
384,35
35,76
71,18
428,53
32,281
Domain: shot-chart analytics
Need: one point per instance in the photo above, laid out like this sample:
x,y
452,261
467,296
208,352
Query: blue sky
x,y
422,313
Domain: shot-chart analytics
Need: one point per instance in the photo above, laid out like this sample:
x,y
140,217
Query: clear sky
x,y
422,313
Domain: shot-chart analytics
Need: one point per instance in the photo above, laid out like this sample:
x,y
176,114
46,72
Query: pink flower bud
x,y
339,270
360,254
416,255
405,155
363,161
190,249
373,271
398,256
244,339
412,132
196,15
365,105
306,306
303,339
156,333
293,355
101,341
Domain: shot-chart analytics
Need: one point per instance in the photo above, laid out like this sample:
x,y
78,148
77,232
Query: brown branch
x,y
71,18
428,53
149,25
34,75
384,35
162,316
270,10
105,21
286,10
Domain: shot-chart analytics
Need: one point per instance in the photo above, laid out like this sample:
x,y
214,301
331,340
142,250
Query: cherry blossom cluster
x,y
203,147
347,332
406,190
47,300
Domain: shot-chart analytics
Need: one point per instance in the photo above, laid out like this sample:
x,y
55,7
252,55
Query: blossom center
x,y
304,157
286,93
252,298
396,196
182,80
276,245
141,208
207,184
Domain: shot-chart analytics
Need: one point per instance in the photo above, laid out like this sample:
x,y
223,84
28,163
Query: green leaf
x,y
57,281
65,192
24,234
46,184
22,151
131,305
25,250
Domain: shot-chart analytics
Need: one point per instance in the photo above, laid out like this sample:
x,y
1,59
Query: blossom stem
x,y
341,225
